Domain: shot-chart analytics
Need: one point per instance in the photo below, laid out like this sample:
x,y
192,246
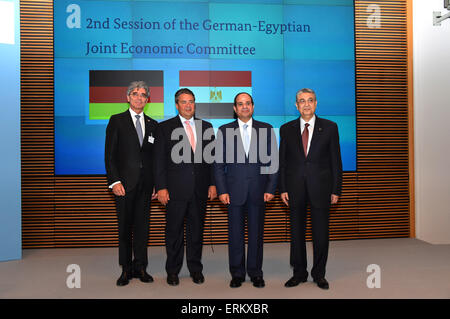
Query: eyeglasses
x,y
141,95
303,101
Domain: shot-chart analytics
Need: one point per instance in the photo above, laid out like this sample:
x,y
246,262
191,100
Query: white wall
x,y
431,122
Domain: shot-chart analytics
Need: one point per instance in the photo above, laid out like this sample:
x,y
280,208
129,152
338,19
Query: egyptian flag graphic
x,y
215,91
108,92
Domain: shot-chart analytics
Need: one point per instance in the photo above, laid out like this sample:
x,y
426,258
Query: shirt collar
x,y
133,113
311,122
249,123
191,121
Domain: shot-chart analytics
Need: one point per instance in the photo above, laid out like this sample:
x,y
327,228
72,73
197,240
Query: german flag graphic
x,y
215,90
108,92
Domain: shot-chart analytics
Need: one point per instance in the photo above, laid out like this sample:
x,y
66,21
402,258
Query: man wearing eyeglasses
x,y
246,171
310,173
130,137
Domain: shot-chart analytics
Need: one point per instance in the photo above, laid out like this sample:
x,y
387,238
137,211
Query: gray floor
x,y
409,269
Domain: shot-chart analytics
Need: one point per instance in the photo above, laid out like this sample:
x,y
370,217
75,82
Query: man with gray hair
x,y
129,169
310,173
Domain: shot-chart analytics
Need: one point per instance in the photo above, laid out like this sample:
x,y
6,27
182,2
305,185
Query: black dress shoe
x,y
258,281
142,275
197,277
124,278
236,282
322,283
294,281
172,279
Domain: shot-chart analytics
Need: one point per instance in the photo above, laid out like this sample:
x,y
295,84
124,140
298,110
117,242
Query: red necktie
x,y
305,137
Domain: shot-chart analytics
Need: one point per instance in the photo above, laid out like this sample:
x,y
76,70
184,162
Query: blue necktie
x,y
246,139
139,129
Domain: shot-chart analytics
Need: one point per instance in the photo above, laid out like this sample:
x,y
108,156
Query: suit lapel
x,y
148,127
199,129
239,140
297,132
131,127
316,134
254,138
177,122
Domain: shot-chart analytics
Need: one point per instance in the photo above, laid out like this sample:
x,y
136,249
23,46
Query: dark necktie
x,y
305,137
139,129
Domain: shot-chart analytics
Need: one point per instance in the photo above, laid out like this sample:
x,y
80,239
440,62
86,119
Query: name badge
x,y
151,139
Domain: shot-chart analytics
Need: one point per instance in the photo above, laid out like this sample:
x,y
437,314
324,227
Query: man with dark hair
x,y
246,152
129,168
310,172
184,181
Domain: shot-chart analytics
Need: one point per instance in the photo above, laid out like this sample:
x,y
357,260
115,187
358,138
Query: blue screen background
x,y
322,59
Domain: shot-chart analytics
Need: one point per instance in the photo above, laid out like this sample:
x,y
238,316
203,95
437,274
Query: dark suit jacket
x,y
321,169
194,174
124,157
241,180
